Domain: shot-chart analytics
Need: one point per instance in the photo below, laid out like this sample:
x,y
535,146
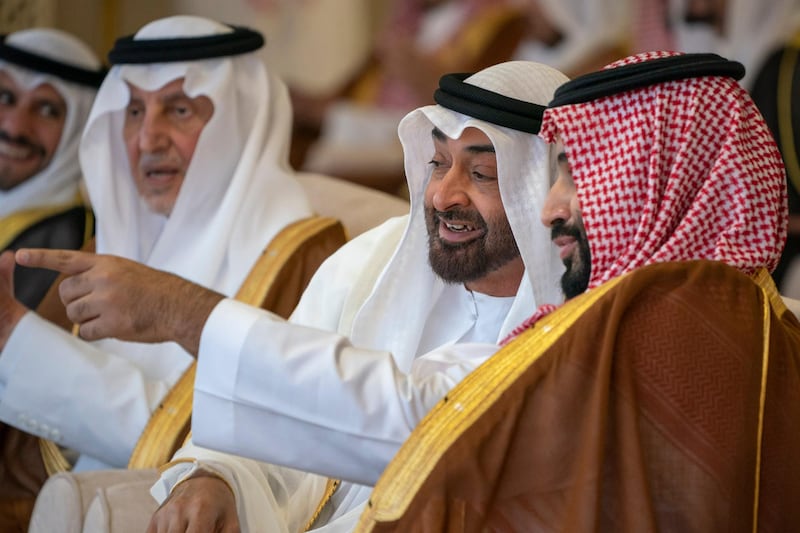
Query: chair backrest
x,y
358,207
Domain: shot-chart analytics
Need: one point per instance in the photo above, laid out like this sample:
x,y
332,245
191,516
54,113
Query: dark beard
x,y
472,260
575,280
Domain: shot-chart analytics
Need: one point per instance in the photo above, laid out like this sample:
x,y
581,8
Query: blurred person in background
x,y
420,41
741,30
574,36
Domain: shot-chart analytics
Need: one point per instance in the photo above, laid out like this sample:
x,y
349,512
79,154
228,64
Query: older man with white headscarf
x,y
48,81
415,305
185,155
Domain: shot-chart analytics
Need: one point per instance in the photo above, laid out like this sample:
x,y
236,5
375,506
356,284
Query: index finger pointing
x,y
66,261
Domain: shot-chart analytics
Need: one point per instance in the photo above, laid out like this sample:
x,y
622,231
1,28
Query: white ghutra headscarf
x,y
525,167
58,182
239,190
238,193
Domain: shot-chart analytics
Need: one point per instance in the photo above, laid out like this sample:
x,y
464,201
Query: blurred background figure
x,y
776,92
315,46
742,30
419,40
574,36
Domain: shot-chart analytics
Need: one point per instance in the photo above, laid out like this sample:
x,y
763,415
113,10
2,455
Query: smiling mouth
x,y
160,174
458,228
18,151
458,232
566,246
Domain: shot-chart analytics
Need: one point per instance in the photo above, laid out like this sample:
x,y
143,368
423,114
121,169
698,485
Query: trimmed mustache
x,y
23,141
149,161
472,218
560,229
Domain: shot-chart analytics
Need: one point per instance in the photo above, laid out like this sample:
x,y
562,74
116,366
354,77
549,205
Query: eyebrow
x,y
175,97
437,134
55,101
480,149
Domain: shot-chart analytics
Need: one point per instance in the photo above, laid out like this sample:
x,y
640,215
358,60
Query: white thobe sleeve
x,y
64,389
308,399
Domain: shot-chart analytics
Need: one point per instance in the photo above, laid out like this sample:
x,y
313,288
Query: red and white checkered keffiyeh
x,y
676,171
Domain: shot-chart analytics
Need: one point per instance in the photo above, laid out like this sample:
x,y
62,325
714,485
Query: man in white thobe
x,y
387,326
186,163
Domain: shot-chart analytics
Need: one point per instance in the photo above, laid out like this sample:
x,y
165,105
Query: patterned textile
x,y
675,171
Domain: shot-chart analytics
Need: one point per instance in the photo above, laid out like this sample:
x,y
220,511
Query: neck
x,y
501,282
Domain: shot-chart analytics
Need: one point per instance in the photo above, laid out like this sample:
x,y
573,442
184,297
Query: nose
x,y
16,123
449,189
153,133
557,206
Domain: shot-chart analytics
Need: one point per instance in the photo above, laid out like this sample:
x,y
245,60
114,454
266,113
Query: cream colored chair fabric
x,y
116,500
358,207
123,507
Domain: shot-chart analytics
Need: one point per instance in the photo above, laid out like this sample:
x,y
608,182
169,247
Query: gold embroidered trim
x,y
467,402
762,401
767,285
164,430
772,301
88,226
276,254
54,461
14,224
330,489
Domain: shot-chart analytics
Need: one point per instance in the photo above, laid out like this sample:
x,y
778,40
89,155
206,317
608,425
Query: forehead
x,y
173,89
469,137
40,91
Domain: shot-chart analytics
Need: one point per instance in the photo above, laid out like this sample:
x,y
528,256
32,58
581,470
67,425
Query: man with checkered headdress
x,y
386,327
185,156
658,397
